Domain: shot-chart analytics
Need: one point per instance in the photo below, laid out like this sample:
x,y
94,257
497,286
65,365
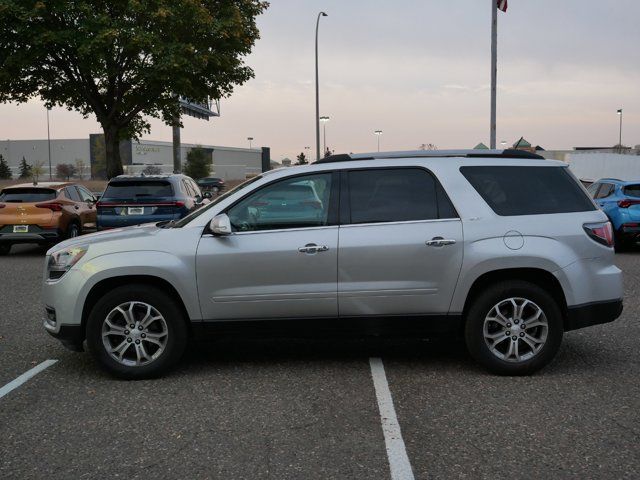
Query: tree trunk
x,y
112,151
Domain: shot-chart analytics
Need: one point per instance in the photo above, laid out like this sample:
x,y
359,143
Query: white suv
x,y
504,248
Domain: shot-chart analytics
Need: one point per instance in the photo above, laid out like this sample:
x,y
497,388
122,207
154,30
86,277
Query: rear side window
x,y
27,195
631,190
72,193
396,195
138,190
512,190
605,190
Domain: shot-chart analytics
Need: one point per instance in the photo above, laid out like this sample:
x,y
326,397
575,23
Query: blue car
x,y
621,202
133,200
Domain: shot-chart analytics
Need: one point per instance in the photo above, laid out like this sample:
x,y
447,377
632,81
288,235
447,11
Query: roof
x,y
481,146
162,176
508,153
52,185
522,143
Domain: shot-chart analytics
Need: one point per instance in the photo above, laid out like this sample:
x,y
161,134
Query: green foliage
x,y
302,159
25,169
5,171
152,170
198,163
124,60
327,153
65,171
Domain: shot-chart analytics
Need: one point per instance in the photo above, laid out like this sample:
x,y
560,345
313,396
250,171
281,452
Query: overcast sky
x,y
419,71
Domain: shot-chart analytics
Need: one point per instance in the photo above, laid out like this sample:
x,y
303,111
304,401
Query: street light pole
x,y
321,14
494,72
620,137
324,121
49,145
378,133
250,140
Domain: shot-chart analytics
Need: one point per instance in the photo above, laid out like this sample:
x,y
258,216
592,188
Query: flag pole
x,y
494,72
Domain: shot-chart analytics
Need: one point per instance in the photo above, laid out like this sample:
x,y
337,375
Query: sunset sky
x,y
419,71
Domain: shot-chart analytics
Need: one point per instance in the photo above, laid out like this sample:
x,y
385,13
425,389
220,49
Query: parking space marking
x,y
26,376
396,452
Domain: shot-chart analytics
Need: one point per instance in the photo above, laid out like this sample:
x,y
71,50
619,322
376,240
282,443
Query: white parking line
x,y
396,451
12,385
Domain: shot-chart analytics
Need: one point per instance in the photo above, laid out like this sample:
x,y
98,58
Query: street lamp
x,y
620,137
324,121
503,144
378,133
250,140
321,14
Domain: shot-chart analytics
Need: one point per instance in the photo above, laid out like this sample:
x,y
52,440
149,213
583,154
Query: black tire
x,y
74,230
5,248
175,322
484,304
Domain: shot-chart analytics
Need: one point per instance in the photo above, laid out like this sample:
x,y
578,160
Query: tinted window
x,y
292,203
632,190
72,193
513,190
138,190
396,195
27,195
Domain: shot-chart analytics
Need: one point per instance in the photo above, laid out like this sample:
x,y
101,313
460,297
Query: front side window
x,y
85,194
298,202
514,190
396,195
605,190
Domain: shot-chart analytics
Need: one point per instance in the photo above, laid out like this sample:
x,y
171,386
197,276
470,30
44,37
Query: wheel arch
x,y
103,286
542,278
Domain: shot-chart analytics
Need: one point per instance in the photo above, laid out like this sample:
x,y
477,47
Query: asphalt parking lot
x,y
306,409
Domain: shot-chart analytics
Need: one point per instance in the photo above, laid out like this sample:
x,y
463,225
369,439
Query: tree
x,y
25,169
428,146
124,60
65,171
302,159
37,171
327,153
152,170
5,171
198,163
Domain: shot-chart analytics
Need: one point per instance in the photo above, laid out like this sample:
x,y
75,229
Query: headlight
x,y
60,262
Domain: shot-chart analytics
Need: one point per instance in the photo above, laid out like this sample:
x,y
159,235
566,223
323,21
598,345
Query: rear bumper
x,y
590,314
41,237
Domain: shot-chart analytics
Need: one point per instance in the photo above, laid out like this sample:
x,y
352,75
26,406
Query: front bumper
x,y
71,336
594,313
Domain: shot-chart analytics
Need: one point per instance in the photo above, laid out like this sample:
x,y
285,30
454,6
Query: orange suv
x,y
44,213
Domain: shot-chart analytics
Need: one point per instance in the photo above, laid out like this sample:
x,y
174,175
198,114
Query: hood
x,y
116,234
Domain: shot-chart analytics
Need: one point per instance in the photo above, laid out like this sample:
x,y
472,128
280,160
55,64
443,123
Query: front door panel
x,y
261,275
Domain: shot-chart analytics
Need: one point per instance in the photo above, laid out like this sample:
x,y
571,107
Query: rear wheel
x,y
5,248
73,230
514,328
136,331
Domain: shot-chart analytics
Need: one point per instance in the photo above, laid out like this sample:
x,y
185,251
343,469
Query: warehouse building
x,y
88,155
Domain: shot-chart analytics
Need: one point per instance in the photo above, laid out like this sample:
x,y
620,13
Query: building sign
x,y
200,109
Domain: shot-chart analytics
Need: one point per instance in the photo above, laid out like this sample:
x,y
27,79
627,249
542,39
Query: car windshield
x,y
27,195
138,189
202,210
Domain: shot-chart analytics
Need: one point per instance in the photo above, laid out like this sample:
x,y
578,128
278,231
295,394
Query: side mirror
x,y
207,195
220,225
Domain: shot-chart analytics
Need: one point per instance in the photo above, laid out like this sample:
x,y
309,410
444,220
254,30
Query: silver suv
x,y
503,248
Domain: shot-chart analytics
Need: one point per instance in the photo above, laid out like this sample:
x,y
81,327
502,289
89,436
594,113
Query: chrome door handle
x,y
439,242
313,248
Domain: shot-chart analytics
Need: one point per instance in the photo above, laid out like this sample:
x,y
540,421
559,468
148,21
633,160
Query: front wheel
x,y
136,332
73,230
514,328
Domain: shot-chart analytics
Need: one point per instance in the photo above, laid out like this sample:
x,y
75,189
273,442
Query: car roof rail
x,y
507,153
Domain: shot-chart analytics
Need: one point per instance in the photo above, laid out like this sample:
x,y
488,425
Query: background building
x,y
230,163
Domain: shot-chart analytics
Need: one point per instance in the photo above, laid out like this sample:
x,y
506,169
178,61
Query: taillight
x,y
54,207
600,232
177,204
2,205
627,203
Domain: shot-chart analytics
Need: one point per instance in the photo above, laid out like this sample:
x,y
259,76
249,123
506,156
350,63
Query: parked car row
x,y
47,212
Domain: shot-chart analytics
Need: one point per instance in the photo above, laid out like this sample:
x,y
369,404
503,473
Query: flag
x,y
502,5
